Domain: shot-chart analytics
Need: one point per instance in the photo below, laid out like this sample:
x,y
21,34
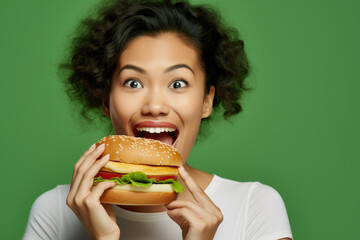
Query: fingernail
x,y
102,146
92,147
106,157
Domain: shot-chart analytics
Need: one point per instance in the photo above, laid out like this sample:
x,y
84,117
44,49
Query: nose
x,y
156,104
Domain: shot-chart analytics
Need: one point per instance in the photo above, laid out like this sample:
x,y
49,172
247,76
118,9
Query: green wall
x,y
299,131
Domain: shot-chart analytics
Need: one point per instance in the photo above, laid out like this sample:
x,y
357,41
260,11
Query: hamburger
x,y
145,171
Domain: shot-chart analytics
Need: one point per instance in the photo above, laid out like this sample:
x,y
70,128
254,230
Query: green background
x,y
299,131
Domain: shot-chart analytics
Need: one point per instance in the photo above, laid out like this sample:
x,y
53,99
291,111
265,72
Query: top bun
x,y
137,150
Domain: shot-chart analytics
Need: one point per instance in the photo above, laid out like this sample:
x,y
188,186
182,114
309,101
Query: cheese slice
x,y
125,168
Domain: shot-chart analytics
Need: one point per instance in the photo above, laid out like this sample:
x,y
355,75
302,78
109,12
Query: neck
x,y
202,178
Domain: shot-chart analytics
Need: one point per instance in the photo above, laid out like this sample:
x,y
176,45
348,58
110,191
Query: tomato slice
x,y
108,175
161,178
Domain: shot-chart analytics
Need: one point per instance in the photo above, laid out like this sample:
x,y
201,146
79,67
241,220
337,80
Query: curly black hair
x,y
100,39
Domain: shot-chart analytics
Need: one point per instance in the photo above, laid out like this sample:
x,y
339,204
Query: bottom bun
x,y
124,197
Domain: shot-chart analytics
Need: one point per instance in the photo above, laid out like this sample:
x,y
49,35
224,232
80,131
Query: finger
x,y
202,227
194,189
86,153
88,178
98,190
193,206
93,201
212,214
86,187
84,166
90,207
184,217
90,159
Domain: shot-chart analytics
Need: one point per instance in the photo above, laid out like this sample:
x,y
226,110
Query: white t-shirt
x,y
251,211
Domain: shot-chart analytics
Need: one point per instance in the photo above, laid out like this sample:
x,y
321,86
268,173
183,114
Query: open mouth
x,y
163,134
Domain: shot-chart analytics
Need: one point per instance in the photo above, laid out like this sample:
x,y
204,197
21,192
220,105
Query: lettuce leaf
x,y
139,179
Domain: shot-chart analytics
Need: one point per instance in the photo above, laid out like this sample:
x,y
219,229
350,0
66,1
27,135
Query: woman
x,y
158,62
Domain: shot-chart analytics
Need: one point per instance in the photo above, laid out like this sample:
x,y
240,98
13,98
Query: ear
x,y
106,106
208,103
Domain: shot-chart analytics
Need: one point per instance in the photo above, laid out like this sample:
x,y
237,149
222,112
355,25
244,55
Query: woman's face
x,y
158,91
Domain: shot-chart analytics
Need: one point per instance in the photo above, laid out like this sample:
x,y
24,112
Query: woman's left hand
x,y
198,218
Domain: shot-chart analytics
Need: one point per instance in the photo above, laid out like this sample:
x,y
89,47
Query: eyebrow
x,y
169,69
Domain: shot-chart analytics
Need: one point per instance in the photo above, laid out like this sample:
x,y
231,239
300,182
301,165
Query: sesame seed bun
x,y
129,198
137,150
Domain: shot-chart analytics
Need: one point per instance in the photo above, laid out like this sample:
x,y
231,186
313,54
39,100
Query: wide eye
x,y
178,84
132,83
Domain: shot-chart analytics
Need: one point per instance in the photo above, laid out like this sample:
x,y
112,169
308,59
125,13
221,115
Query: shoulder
x,y
252,198
261,191
262,197
253,206
48,200
266,214
46,211
224,186
229,194
253,189
58,191
228,183
252,194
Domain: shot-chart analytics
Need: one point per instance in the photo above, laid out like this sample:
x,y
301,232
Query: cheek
x,y
122,107
189,108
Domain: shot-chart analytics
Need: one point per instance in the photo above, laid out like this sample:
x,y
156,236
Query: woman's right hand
x,y
84,198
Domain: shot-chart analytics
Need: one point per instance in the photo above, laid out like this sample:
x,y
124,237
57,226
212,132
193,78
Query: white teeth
x,y
155,130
